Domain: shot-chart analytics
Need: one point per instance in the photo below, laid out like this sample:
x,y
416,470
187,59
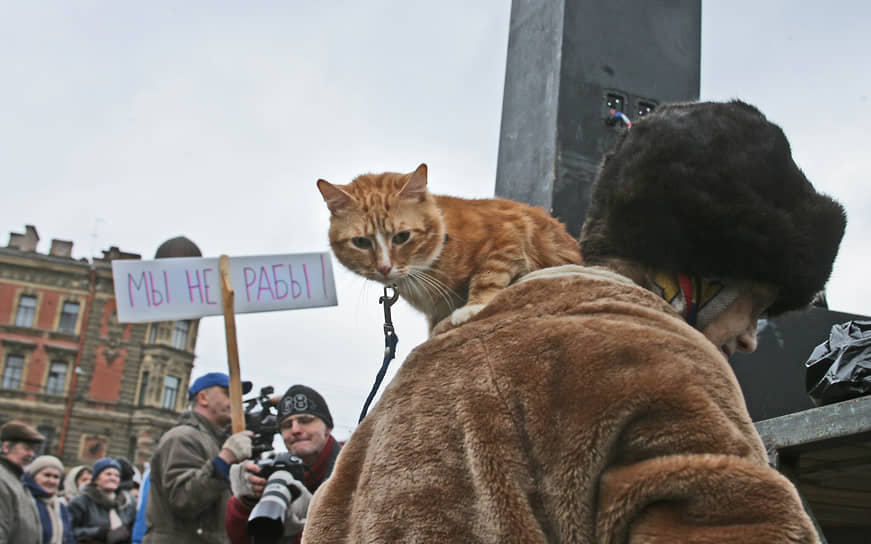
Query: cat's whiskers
x,y
434,286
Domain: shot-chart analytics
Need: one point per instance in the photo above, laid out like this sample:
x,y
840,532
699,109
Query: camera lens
x,y
266,522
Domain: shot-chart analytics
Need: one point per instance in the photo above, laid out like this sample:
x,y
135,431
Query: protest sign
x,y
190,287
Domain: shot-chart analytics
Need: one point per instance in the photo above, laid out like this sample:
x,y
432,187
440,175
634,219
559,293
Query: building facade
x,y
93,386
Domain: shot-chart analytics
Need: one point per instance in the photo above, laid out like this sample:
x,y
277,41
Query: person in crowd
x,y
42,477
19,519
596,403
139,525
100,513
76,479
129,479
306,425
190,469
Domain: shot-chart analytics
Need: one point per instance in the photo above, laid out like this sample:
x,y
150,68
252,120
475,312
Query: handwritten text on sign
x,y
188,288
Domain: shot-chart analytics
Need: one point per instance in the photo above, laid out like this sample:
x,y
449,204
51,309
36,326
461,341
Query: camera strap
x,y
390,341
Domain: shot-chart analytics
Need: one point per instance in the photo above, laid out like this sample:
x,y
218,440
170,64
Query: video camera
x,y
263,422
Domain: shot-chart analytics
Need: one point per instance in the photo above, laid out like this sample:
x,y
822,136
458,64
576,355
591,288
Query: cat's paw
x,y
461,315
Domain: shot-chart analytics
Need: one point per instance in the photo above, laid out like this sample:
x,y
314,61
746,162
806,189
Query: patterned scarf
x,y
699,300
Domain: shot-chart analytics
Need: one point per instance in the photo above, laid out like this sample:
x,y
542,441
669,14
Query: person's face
x,y
19,453
735,329
108,480
217,403
304,435
48,479
83,478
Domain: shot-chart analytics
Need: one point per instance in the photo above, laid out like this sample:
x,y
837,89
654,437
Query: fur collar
x,y
569,270
92,492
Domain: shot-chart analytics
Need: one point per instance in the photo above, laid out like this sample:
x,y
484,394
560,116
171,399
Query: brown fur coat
x,y
576,407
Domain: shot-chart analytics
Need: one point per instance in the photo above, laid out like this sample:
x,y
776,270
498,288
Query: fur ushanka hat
x,y
711,189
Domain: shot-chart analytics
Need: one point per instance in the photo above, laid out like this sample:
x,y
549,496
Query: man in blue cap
x,y
189,480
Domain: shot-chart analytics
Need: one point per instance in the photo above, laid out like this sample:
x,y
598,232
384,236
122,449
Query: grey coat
x,y
19,520
187,498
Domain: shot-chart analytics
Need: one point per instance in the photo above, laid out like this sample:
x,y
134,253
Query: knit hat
x,y
103,464
42,462
17,431
300,399
711,190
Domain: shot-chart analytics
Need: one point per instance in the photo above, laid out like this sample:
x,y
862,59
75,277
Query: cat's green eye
x,y
401,237
361,242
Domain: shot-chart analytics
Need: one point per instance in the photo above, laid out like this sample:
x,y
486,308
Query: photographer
x,y
305,424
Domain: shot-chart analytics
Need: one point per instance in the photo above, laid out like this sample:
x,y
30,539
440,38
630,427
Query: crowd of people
x,y
42,502
201,485
586,403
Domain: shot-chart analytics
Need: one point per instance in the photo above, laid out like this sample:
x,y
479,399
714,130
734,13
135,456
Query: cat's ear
x,y
415,187
335,198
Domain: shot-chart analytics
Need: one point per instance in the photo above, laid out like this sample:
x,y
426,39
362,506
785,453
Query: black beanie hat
x,y
300,399
711,189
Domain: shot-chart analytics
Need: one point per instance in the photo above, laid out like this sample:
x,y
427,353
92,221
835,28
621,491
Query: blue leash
x,y
390,341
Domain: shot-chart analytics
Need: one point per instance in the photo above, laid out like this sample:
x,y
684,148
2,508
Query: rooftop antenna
x,y
94,236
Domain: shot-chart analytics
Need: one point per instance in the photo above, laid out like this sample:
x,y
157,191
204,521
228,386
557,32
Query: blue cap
x,y
212,379
103,464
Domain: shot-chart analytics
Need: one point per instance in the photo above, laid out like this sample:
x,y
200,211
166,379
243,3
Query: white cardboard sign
x,y
190,287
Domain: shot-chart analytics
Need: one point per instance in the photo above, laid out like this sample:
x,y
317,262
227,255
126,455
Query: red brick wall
x,y
47,313
35,371
7,296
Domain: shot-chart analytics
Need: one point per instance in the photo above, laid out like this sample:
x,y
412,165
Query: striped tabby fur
x,y
448,256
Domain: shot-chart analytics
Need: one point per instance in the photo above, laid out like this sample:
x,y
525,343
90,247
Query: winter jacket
x,y
90,511
54,516
139,524
188,495
575,407
19,521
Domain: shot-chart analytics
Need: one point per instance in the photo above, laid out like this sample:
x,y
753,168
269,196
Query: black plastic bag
x,y
840,368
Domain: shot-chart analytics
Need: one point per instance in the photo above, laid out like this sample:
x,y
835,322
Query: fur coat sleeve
x,y
569,410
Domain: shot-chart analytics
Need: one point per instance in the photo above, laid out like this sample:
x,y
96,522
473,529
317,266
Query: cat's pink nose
x,y
385,269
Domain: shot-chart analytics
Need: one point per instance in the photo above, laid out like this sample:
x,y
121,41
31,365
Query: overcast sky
x,y
128,123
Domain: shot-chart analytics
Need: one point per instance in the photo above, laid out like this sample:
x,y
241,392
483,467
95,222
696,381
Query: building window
x,y
152,333
12,371
57,378
143,388
180,334
68,316
26,311
45,448
170,392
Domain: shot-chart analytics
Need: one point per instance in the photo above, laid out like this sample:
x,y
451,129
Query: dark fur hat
x,y
711,189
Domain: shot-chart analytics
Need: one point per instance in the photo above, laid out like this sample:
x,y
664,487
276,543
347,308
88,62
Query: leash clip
x,y
388,301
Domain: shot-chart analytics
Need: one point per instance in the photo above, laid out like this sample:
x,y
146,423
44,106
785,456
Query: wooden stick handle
x,y
232,348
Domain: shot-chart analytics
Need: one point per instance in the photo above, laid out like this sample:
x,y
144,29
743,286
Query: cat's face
x,y
384,227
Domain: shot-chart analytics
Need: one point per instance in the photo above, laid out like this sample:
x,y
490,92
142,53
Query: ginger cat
x,y
447,256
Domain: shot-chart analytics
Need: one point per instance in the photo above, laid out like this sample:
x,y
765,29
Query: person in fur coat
x,y
596,403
